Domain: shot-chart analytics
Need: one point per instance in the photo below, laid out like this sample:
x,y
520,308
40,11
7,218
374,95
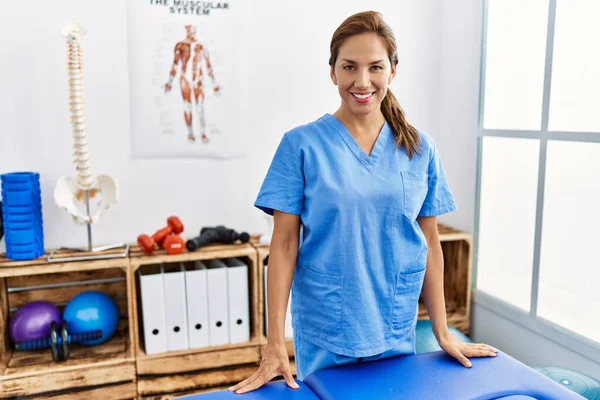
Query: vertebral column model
x,y
68,191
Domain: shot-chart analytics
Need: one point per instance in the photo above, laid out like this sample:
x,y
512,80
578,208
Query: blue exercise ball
x,y
90,311
425,341
573,380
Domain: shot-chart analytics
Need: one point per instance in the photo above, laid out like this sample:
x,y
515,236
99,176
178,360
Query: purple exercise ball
x,y
32,321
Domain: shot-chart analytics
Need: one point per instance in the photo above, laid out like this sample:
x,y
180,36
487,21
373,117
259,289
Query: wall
x,y
288,82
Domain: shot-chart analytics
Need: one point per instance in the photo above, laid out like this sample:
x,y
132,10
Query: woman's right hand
x,y
275,362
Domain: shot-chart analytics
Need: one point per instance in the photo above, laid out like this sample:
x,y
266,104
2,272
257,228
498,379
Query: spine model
x,y
68,190
77,108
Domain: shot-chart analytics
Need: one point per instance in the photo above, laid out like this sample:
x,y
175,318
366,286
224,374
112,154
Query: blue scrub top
x,y
361,264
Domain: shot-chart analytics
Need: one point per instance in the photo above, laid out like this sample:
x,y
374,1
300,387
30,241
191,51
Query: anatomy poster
x,y
186,61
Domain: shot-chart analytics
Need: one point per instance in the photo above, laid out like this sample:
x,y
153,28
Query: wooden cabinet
x,y
106,370
120,367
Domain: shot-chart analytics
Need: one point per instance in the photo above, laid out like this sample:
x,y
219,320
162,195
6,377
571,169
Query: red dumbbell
x,y
148,243
173,244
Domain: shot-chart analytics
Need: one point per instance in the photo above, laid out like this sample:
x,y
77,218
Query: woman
x,y
366,187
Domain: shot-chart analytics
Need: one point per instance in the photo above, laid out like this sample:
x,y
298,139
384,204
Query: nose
x,y
363,79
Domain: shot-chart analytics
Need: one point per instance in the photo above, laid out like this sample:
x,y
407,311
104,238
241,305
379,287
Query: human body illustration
x,y
192,79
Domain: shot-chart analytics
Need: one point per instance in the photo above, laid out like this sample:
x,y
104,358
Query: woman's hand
x,y
461,350
275,362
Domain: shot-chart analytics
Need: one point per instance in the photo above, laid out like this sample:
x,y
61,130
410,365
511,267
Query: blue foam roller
x,y
20,177
23,256
21,236
10,224
573,380
24,248
9,186
435,376
20,197
273,390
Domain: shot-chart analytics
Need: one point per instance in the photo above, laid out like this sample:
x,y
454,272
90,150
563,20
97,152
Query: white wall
x,y
288,85
461,50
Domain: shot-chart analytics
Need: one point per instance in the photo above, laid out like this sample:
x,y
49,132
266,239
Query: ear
x,y
332,75
393,74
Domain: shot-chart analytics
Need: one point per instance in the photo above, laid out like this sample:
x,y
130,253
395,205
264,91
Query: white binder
x,y
153,311
175,307
218,314
238,294
197,304
288,330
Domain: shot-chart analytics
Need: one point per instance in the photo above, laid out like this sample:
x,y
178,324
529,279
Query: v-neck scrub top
x,y
361,262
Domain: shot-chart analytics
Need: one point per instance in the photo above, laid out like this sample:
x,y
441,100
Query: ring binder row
x,y
288,330
194,304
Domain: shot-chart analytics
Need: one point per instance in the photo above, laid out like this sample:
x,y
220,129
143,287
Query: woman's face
x,y
362,73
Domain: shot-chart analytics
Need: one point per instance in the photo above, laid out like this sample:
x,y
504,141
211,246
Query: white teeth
x,y
362,96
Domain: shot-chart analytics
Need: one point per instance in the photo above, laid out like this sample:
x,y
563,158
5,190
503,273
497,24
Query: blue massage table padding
x,y
436,375
424,376
270,391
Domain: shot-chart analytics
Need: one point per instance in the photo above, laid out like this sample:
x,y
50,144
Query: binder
x,y
238,296
197,304
218,313
175,307
153,311
288,330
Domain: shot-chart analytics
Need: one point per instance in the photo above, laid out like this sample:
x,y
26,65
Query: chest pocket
x,y
415,190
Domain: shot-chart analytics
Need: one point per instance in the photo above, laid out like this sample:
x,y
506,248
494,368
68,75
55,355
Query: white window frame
x,y
529,320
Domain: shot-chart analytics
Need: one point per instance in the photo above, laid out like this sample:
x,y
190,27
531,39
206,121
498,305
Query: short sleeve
x,y
439,199
283,186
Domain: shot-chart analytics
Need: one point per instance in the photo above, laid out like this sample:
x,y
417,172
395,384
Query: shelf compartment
x,y
104,370
174,373
204,367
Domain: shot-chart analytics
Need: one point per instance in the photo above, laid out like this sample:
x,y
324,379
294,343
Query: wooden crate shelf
x,y
180,371
104,370
120,368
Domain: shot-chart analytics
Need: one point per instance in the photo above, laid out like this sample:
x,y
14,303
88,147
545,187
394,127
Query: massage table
x,y
423,376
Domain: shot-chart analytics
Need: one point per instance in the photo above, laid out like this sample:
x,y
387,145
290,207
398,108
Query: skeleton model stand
x,y
67,191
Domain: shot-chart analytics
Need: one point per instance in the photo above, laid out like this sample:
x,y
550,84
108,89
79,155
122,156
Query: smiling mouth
x,y
362,96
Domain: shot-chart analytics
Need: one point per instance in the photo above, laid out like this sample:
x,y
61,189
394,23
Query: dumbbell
x,y
148,243
173,244
58,341
218,234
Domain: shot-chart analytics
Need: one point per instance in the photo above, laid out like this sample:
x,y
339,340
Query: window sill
x,y
561,336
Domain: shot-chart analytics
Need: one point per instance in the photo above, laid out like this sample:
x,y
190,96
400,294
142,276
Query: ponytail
x,y
406,135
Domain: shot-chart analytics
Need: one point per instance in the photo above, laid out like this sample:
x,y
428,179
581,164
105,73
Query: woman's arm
x,y
433,295
282,262
283,252
433,286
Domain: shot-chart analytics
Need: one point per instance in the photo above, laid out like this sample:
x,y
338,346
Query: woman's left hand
x,y
461,350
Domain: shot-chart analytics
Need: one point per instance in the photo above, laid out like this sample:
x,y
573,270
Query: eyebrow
x,y
354,62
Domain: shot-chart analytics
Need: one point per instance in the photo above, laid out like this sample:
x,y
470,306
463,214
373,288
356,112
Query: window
x,y
538,216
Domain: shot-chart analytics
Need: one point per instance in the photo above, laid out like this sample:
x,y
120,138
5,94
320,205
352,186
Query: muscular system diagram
x,y
192,61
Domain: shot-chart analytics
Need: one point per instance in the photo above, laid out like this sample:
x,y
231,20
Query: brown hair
x,y
372,22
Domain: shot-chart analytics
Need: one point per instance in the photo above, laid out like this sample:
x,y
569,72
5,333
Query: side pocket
x,y
415,185
319,302
406,300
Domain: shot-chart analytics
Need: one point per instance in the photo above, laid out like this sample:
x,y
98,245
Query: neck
x,y
360,124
